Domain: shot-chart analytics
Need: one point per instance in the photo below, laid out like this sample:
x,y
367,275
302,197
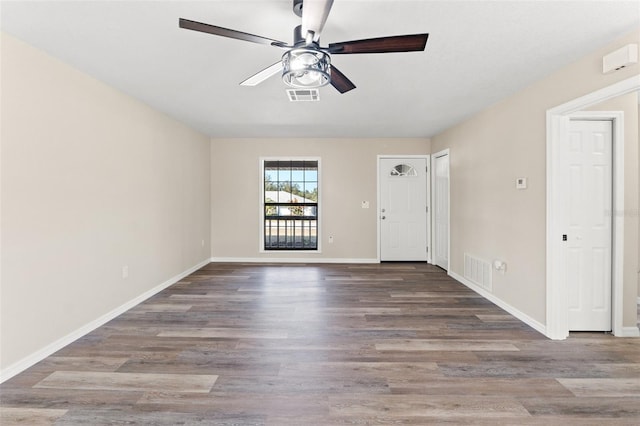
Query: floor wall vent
x,y
303,95
477,271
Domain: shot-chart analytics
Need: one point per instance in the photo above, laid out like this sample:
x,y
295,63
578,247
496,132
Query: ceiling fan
x,y
305,64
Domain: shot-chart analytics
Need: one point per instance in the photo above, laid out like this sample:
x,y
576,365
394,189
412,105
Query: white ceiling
x,y
478,53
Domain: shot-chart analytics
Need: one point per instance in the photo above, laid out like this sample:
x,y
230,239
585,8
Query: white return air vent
x,y
477,271
302,95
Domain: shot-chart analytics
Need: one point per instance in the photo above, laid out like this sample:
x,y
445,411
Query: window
x,y
403,170
290,204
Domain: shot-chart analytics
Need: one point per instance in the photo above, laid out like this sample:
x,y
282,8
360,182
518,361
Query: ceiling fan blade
x,y
403,43
226,32
261,76
340,81
314,16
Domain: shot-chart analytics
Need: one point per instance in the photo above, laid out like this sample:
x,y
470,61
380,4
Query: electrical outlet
x,y
331,240
365,204
202,243
125,272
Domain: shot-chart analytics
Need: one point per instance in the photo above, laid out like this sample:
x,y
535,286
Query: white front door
x,y
403,208
589,237
441,210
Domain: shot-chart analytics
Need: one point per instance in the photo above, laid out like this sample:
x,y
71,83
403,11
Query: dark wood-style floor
x,y
400,343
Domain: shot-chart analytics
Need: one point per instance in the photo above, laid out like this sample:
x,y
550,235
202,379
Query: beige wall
x,y
348,177
92,180
493,220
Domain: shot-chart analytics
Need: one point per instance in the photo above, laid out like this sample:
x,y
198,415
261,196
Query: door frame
x,y
428,177
433,217
557,118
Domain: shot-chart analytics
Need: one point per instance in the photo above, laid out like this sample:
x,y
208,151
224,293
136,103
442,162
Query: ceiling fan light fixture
x,y
305,68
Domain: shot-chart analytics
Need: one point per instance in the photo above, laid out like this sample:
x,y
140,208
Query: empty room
x,y
317,212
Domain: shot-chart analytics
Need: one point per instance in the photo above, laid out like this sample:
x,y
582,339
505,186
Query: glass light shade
x,y
306,68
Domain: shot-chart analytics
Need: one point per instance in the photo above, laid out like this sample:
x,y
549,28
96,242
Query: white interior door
x,y
441,210
589,236
403,208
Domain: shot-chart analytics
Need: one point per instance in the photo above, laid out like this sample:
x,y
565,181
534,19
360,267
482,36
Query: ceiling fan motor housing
x,y
300,39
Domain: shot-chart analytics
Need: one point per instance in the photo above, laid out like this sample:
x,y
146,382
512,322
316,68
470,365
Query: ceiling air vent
x,y
299,95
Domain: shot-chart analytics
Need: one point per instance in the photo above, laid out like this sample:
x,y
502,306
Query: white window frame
x,y
261,162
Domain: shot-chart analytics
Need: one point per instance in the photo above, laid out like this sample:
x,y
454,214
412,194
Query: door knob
x,y
383,217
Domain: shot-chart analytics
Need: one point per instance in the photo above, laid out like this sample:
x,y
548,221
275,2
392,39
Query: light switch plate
x,y
365,204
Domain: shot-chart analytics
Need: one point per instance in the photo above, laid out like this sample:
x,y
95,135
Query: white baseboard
x,y
630,332
51,348
288,260
541,328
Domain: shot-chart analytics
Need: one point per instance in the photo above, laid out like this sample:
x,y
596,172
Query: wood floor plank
x,y
426,407
236,404
602,387
83,363
487,387
326,344
388,370
380,419
29,416
160,307
128,381
304,384
136,416
432,294
445,345
496,318
66,398
608,409
232,333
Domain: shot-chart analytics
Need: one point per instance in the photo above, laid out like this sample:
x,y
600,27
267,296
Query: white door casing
x,y
588,155
440,170
403,215
557,318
